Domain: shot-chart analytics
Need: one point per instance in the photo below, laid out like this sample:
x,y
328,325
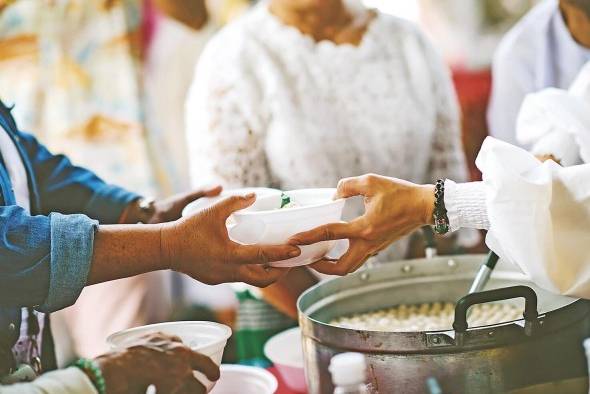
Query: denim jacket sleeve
x,y
45,260
68,189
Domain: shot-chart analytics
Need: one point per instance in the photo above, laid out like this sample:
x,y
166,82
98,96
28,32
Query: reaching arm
x,y
69,189
46,261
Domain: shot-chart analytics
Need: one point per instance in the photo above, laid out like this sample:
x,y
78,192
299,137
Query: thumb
x,y
233,204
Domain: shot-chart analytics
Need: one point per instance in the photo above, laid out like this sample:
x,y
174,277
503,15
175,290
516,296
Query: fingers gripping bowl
x,y
266,223
205,337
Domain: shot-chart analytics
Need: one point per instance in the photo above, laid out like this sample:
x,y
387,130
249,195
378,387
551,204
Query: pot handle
x,y
530,307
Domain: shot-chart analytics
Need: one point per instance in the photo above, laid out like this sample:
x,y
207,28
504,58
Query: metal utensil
x,y
483,275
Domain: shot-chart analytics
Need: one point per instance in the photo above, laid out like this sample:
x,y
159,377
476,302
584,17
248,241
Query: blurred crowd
x,y
163,96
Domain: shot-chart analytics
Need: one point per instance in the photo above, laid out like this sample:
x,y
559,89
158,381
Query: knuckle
x,y
369,232
371,179
328,234
261,256
341,270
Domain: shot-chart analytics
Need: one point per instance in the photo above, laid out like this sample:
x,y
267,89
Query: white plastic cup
x,y
205,337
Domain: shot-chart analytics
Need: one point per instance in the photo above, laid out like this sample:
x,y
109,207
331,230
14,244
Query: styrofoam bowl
x,y
244,379
205,337
286,353
265,223
205,202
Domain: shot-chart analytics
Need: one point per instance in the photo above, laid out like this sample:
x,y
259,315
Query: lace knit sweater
x,y
272,107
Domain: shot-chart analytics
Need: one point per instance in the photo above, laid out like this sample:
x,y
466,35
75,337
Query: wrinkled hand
x,y
199,246
156,359
393,209
170,209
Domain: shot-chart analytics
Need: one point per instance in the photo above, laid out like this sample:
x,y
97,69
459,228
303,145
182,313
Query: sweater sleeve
x,y
64,381
466,205
224,125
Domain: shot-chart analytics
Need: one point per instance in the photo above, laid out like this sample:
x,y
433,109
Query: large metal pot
x,y
490,359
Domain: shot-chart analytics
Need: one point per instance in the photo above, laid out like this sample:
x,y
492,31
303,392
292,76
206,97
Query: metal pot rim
x,y
451,267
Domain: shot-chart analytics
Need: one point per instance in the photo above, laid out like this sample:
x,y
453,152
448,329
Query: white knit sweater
x,y
272,107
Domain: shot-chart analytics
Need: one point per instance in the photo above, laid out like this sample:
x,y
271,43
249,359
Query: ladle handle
x,y
506,293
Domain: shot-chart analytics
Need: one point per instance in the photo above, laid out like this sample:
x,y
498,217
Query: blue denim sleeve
x,y
72,243
68,189
44,260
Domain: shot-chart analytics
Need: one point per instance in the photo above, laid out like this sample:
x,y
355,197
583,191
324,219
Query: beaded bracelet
x,y
441,220
92,370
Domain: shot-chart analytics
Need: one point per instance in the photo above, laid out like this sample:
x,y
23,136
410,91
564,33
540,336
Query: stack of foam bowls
x,y
245,380
265,223
286,353
204,337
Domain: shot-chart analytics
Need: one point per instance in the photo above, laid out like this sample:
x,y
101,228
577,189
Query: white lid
x,y
586,344
348,369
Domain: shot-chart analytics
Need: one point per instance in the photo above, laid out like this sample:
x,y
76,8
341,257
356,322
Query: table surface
x,y
283,389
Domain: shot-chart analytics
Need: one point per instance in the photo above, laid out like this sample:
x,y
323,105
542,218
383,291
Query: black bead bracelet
x,y
441,220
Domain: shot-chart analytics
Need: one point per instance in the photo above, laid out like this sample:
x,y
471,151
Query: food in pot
x,y
427,317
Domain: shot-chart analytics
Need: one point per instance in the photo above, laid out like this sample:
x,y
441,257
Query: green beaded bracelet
x,y
92,370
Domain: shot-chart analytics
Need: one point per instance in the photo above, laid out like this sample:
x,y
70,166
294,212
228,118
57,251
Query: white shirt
x,y
539,52
272,107
16,170
19,180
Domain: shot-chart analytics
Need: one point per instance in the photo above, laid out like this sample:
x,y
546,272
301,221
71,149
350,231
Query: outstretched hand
x,y
200,246
393,208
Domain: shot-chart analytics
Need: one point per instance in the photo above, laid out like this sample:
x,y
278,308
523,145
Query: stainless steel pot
x,y
511,356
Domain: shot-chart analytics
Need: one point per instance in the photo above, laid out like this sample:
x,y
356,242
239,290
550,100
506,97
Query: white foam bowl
x,y
245,380
265,223
286,353
205,202
204,337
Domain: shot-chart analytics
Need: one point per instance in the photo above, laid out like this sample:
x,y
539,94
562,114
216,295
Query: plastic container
x,y
204,337
265,223
245,380
349,373
286,353
206,202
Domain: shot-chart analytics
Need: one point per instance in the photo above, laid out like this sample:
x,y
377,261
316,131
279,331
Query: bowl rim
x,y
260,372
336,202
227,331
226,193
277,337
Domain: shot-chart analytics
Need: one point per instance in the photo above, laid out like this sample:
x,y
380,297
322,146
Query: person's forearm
x,y
121,251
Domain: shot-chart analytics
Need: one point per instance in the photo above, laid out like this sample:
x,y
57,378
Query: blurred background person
x,y
547,48
102,81
299,94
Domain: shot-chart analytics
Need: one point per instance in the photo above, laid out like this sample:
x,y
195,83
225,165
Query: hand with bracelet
x,y
154,359
393,208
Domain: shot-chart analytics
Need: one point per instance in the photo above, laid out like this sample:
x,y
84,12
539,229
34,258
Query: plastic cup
x,y
204,337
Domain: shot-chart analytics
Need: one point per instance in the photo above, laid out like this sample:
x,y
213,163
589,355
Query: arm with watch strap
x,y
537,216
